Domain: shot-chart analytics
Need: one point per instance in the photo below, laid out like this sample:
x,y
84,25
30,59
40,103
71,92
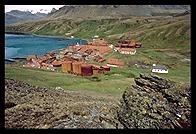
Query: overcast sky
x,y
33,8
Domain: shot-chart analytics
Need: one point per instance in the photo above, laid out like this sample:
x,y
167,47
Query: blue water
x,y
24,45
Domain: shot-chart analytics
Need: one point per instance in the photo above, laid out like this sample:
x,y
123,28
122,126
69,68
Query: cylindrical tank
x,y
76,67
67,67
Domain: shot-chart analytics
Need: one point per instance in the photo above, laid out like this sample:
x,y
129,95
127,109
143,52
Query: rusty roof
x,y
114,61
55,62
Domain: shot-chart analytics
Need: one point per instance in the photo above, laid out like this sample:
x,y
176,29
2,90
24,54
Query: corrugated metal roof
x,y
160,67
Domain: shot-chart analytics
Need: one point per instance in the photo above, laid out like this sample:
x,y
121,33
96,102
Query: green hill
x,y
154,31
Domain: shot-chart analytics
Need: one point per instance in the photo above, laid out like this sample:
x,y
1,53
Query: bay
x,y
24,45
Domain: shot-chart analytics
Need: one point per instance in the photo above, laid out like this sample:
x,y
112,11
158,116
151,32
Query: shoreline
x,y
45,36
13,59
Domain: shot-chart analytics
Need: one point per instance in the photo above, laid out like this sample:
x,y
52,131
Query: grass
x,y
109,83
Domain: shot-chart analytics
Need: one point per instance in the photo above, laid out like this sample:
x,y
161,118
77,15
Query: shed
x,y
159,69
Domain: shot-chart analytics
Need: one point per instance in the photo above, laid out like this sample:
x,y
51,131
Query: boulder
x,y
155,102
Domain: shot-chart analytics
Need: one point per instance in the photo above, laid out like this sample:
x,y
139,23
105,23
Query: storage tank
x,y
86,70
67,67
76,67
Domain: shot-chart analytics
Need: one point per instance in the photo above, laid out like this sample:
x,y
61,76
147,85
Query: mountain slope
x,y
144,29
158,32
114,11
18,16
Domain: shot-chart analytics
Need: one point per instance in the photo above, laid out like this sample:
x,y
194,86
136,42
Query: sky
x,y
32,8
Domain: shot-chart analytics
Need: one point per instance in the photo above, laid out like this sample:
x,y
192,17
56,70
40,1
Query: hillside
x,y
155,32
113,22
15,16
113,11
28,106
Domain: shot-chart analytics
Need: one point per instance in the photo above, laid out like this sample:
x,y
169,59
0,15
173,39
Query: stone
x,y
154,102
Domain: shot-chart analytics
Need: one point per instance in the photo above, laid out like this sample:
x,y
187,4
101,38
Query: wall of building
x,y
159,71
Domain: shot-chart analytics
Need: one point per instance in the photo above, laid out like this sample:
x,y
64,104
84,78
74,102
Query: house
x,y
127,47
96,36
159,69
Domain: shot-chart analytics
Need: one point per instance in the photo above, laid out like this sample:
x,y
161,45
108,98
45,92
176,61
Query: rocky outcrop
x,y
155,102
28,106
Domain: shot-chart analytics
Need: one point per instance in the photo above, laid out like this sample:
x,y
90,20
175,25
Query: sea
x,y
24,45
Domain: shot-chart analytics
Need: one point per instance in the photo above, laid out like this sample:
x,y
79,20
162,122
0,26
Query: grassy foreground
x,y
112,84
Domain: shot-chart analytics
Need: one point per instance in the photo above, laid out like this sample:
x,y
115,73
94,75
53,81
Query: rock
x,y
154,102
38,107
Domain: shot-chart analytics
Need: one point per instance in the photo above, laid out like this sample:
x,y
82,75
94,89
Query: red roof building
x,y
115,62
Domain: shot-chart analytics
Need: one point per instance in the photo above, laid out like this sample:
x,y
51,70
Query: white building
x,y
96,36
159,69
130,51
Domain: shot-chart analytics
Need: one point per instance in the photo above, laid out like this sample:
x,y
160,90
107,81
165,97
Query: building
x,y
127,47
159,69
115,63
130,51
31,57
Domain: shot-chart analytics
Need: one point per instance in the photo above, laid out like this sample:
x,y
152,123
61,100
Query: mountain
x,y
18,16
114,11
156,24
